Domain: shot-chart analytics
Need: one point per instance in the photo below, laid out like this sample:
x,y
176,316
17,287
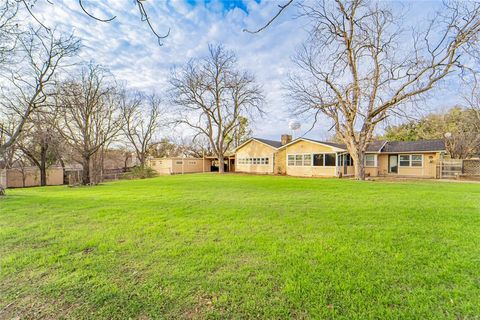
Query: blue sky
x,y
127,47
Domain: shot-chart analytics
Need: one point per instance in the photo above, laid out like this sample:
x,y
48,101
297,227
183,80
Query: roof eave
x,y
250,140
316,142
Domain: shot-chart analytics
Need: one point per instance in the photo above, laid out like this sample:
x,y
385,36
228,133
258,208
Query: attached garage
x,y
260,156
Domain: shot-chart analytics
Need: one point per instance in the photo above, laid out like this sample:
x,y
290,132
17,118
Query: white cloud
x,y
130,50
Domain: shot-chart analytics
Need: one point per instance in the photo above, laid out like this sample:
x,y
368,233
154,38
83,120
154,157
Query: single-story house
x,y
179,165
312,158
261,156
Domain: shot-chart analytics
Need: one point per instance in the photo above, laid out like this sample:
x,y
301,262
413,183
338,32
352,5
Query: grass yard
x,y
234,246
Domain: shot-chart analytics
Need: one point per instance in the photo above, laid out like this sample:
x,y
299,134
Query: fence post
x,y
440,170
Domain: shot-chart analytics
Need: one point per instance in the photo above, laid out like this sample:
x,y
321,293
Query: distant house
x,y
313,158
178,165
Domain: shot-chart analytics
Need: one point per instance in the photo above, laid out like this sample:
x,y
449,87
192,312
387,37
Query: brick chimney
x,y
286,138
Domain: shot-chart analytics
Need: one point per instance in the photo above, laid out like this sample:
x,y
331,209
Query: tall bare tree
x,y
212,94
89,107
141,116
9,30
26,84
41,142
358,65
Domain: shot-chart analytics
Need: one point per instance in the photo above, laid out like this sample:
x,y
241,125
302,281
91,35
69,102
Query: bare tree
x,y
141,116
358,66
213,94
9,30
90,115
140,4
281,8
41,142
165,148
26,85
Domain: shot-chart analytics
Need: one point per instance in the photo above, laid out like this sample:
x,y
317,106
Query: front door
x,y
393,163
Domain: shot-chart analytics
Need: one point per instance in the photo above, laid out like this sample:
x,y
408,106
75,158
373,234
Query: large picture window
x,y
329,159
299,160
324,159
411,160
318,159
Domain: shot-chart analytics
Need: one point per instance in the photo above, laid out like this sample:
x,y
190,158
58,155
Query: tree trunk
x,y
62,163
221,164
359,167
43,167
142,159
358,157
86,170
43,174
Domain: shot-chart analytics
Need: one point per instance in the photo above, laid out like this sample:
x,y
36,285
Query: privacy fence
x,y
459,169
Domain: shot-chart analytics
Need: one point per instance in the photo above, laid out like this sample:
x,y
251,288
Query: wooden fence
x,y
3,178
459,168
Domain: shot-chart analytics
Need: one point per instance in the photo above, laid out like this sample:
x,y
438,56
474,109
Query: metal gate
x,y
459,168
450,169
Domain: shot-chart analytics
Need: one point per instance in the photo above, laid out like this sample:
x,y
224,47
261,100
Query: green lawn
x,y
233,246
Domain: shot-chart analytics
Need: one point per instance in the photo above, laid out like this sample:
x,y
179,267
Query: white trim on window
x,y
375,160
299,158
309,157
411,160
257,161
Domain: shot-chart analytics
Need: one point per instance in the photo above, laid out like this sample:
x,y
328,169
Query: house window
x,y
179,162
318,159
324,159
345,160
330,159
299,160
404,160
291,160
349,160
307,159
370,160
416,160
411,160
192,162
261,161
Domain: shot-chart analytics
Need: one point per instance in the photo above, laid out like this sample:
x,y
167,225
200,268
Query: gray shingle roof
x,y
409,146
332,144
272,143
375,146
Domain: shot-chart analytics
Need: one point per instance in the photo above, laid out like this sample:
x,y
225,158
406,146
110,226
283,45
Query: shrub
x,y
141,173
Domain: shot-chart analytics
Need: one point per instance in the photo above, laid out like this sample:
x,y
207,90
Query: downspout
x,y
336,165
273,162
